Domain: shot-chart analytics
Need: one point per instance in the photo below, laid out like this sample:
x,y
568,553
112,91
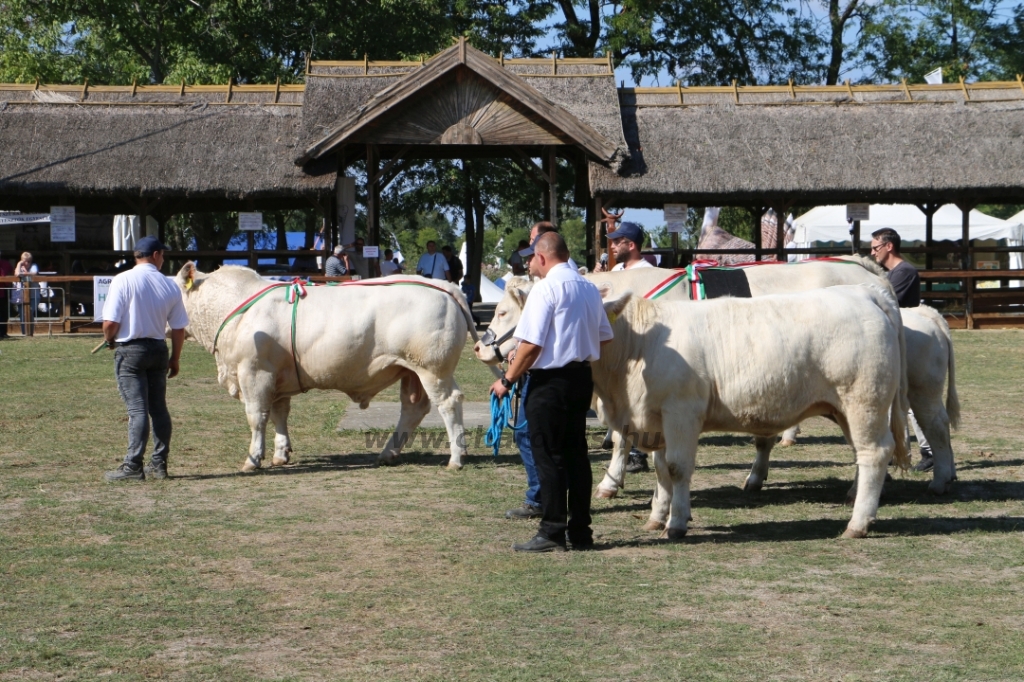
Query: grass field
x,y
332,569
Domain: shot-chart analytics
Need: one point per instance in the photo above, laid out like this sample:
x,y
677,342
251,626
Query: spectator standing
x,y
516,262
455,270
885,248
358,263
140,305
337,263
6,270
389,266
626,243
432,264
26,268
561,331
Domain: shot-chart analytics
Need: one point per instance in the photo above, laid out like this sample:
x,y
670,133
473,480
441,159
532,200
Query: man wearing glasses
x,y
885,248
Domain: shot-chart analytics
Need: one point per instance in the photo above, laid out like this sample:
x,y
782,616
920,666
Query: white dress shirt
x,y
564,315
387,267
144,302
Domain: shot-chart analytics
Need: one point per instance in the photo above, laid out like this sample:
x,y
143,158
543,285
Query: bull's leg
x,y
662,494
934,422
415,406
448,398
681,435
257,389
789,436
615,476
282,443
874,445
759,472
608,443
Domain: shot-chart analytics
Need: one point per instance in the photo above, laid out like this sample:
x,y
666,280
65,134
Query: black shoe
x,y
539,544
637,462
926,464
125,472
156,470
527,511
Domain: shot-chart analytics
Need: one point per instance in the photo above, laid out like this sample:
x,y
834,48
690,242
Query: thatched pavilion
x,y
164,149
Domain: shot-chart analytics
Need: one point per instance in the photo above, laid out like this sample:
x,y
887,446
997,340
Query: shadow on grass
x,y
825,529
747,441
988,464
778,464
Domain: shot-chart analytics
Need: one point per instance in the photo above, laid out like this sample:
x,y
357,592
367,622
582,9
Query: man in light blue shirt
x,y
433,264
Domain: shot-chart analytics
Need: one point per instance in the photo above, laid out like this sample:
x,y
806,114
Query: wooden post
x,y
372,195
588,219
855,238
596,236
27,314
758,213
250,244
551,170
965,259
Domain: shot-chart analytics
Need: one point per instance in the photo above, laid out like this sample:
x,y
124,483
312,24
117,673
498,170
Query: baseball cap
x,y
630,231
528,251
147,245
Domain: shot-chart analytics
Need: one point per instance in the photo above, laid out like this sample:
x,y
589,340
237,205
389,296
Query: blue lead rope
x,y
501,414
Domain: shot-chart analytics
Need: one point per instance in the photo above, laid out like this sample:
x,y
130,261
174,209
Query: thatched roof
x,y
197,151
569,102
761,152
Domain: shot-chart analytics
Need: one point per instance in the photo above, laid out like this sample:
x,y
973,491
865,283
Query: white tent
x,y
489,291
828,224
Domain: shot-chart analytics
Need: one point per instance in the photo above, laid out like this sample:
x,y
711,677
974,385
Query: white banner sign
x,y
676,216
934,77
100,287
371,252
250,222
62,223
858,211
23,218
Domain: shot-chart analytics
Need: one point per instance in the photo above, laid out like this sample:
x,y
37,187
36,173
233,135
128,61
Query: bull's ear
x,y
520,295
614,303
186,276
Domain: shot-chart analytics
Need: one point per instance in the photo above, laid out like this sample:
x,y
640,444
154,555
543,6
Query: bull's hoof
x,y
250,466
675,533
280,460
786,443
388,461
850,500
853,534
752,487
455,466
939,488
654,525
607,444
605,494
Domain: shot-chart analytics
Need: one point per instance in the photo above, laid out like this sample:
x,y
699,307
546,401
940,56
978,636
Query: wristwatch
x,y
506,383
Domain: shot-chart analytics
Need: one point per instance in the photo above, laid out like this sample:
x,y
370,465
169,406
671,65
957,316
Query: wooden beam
x,y
372,196
391,164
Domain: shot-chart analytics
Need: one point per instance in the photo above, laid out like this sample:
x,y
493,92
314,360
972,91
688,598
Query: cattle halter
x,y
488,339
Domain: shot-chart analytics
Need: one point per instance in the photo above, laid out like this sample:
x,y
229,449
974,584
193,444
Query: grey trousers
x,y
141,371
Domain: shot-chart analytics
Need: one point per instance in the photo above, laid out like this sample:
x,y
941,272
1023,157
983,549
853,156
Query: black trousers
x,y
556,411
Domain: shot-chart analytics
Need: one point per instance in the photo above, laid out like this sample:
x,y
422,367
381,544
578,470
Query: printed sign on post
x,y
250,222
100,287
675,217
62,223
371,251
858,211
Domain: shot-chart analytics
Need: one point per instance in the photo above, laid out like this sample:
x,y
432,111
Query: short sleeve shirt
x,y
144,302
642,263
907,284
564,315
432,265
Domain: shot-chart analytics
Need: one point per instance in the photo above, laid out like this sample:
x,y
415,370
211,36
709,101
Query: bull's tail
x,y
900,403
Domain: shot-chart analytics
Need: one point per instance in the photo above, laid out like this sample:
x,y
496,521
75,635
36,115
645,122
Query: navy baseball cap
x,y
528,251
630,231
147,245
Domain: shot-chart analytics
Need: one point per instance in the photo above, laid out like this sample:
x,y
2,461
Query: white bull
x,y
355,339
929,355
677,370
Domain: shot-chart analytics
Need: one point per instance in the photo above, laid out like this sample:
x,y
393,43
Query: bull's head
x,y
497,342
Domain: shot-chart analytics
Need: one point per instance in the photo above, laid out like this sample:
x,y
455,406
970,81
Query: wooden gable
x,y
462,97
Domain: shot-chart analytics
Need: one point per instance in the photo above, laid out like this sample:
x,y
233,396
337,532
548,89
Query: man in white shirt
x,y
561,331
432,264
140,305
388,266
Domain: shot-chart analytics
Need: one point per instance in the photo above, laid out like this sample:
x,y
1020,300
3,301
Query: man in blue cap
x,y
626,243
139,307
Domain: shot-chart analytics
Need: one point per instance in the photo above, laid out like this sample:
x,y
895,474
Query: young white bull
x,y
929,355
677,370
355,339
